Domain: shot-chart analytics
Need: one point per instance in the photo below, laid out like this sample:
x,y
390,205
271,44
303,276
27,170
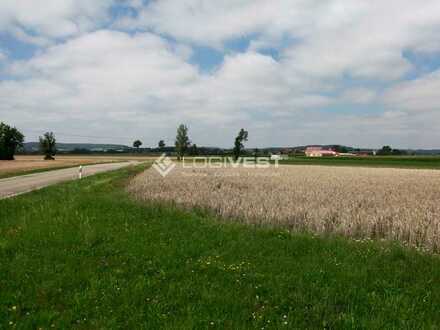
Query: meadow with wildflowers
x,y
85,255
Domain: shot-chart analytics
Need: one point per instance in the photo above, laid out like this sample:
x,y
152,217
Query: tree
x,y
397,152
182,141
161,144
256,152
194,151
340,149
10,140
238,145
48,145
137,144
385,151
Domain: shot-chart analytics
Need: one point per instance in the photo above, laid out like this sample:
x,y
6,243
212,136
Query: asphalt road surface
x,y
21,184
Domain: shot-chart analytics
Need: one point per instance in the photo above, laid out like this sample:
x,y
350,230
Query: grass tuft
x,y
84,255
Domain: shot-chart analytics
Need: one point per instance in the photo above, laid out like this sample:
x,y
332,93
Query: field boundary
x,y
20,185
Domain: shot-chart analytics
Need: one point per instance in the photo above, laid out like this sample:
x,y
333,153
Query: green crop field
x,y
422,162
85,255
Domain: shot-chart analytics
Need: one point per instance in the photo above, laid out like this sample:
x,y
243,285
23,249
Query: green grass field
x,y
422,162
84,255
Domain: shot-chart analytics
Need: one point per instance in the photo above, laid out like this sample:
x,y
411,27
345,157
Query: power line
x,y
127,139
81,136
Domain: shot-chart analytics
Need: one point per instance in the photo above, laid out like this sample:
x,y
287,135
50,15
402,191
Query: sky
x,y
291,72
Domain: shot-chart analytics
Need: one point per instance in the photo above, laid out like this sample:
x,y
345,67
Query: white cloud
x,y
332,38
141,84
248,80
330,53
417,95
204,22
3,56
358,95
39,21
101,76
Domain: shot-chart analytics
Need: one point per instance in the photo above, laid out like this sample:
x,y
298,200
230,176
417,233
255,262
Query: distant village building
x,y
320,152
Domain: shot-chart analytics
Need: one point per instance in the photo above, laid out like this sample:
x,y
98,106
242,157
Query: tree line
x,y
388,151
11,140
184,146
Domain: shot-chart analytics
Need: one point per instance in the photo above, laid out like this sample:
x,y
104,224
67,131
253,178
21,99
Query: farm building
x,y
320,152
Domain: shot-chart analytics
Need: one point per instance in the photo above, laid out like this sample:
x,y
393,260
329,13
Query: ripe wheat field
x,y
362,203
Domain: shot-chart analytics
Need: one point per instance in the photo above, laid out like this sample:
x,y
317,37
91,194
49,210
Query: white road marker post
x,y
80,172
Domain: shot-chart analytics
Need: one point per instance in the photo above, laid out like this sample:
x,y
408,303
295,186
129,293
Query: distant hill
x,y
425,151
78,148
419,152
69,147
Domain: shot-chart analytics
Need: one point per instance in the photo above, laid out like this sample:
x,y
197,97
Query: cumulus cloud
x,y
97,76
305,59
39,21
358,95
124,80
421,94
330,38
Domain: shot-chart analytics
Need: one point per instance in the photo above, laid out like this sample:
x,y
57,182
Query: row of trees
x,y
138,143
388,151
183,144
11,140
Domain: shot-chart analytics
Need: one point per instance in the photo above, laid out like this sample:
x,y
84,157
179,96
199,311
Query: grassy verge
x,y
84,255
419,162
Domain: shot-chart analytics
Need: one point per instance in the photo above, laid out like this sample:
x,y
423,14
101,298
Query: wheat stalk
x,y
394,204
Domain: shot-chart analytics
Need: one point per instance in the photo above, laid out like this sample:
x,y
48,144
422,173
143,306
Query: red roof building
x,y
320,152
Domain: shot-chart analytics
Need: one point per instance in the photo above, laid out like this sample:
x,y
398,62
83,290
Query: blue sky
x,y
16,49
290,72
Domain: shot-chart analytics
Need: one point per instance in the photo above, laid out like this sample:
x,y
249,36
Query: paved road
x,y
21,184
